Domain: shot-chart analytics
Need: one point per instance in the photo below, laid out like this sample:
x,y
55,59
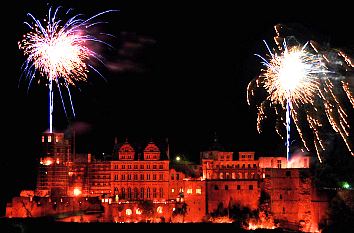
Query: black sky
x,y
188,80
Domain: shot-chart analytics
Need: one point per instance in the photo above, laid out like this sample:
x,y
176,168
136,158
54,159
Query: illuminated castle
x,y
145,185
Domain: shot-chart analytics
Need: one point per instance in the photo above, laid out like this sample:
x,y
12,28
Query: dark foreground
x,y
45,225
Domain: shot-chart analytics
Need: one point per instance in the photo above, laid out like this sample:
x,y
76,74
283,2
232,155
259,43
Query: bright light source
x,y
178,158
138,211
159,210
47,161
128,212
77,192
345,185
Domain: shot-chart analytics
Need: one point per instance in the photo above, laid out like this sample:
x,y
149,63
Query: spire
x,y
168,149
215,144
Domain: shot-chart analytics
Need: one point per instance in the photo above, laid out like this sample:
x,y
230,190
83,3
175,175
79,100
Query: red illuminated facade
x,y
141,183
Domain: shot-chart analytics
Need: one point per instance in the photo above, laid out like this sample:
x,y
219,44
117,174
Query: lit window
x,y
198,191
56,139
42,138
49,138
279,163
172,190
189,191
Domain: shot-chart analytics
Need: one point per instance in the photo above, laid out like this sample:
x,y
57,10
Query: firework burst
x,y
60,51
308,83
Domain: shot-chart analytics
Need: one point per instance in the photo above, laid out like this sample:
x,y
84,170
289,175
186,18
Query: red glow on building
x,y
141,184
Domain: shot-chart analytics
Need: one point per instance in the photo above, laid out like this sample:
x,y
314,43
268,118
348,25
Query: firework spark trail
x,y
314,79
59,50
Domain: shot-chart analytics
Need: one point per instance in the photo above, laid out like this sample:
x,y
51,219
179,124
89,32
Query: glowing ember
x,y
262,222
223,219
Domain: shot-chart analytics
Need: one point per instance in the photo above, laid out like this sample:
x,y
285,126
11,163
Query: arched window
x,y
227,175
129,193
161,192
141,193
148,193
135,193
123,193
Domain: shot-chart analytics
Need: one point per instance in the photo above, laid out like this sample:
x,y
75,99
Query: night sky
x,y
177,70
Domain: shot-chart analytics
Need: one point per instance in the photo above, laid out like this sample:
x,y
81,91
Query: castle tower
x,y
52,179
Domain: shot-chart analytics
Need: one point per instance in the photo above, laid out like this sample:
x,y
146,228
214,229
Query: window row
x,y
136,193
138,177
189,190
217,166
238,187
136,166
238,175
